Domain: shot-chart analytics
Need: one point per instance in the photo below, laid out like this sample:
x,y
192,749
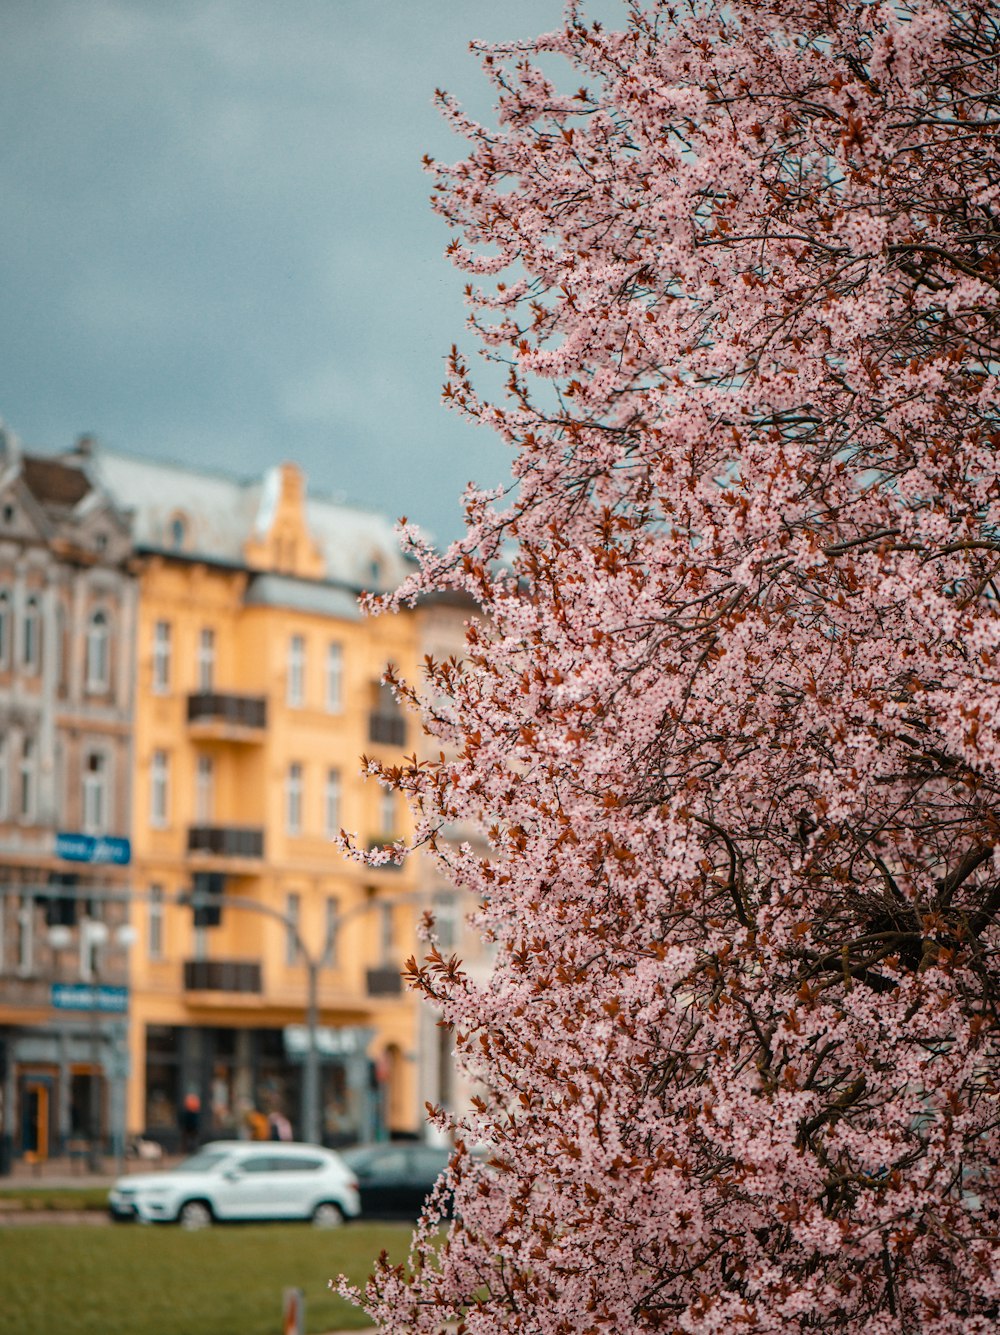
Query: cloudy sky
x,y
216,242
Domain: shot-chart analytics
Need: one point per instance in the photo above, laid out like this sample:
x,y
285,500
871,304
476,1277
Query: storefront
x,y
63,1088
207,1083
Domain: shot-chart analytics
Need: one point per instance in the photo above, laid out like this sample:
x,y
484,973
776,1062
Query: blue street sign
x,y
88,997
104,848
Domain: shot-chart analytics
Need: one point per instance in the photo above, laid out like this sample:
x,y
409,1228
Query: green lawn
x,y
134,1280
54,1198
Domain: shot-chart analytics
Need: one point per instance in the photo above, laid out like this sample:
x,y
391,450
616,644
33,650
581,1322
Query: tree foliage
x,y
730,721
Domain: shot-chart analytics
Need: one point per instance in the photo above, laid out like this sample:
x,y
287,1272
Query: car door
x,y
246,1188
383,1180
428,1163
294,1179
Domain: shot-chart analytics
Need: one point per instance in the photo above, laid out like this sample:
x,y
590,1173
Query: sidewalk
x,y
66,1171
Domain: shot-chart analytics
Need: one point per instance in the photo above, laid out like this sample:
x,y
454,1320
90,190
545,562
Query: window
x,y
161,657
4,628
296,670
154,941
177,532
204,790
97,673
206,659
386,932
29,761
159,789
334,678
331,804
446,919
293,910
387,813
31,643
8,512
95,793
293,799
59,650
330,928
26,935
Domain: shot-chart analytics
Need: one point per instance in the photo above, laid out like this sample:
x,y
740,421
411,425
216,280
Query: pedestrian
x,y
190,1120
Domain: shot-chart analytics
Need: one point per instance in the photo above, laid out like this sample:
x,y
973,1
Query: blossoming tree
x,y
730,721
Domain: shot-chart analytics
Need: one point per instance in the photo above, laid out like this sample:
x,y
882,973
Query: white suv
x,y
233,1179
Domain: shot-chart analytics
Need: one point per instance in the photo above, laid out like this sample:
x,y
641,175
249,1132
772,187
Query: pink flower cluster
x,y
730,719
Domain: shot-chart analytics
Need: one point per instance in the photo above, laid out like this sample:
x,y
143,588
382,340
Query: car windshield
x,y
202,1162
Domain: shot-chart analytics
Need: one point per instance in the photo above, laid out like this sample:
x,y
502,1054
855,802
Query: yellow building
x,y
257,691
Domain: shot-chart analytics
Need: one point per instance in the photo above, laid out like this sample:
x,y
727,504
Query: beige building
x,y
67,628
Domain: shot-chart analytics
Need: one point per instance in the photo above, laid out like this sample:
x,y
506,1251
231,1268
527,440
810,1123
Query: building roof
x,y
54,482
221,518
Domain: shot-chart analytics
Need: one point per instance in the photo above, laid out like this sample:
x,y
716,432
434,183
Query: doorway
x,y
37,1102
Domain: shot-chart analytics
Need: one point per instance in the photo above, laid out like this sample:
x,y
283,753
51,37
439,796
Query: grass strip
x,y
133,1280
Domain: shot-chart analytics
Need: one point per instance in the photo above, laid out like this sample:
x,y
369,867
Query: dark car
x,y
395,1179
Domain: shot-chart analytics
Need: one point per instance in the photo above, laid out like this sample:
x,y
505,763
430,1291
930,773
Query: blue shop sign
x,y
104,848
90,997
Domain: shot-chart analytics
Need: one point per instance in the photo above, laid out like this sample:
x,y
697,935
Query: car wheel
x,y
194,1215
327,1215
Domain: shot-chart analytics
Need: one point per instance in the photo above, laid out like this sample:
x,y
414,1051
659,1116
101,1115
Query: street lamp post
x,y
311,1115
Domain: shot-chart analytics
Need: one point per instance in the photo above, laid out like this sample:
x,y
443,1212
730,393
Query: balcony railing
x,y
390,729
226,841
384,982
222,976
236,711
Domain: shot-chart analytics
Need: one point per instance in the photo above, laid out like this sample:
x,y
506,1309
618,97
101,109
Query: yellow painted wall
x,y
251,658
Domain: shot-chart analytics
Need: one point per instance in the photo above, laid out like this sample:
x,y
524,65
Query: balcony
x,y
226,841
384,982
389,729
222,976
224,715
380,841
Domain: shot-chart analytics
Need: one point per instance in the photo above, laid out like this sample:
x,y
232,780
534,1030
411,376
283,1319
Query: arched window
x,y
177,531
95,793
98,651
31,647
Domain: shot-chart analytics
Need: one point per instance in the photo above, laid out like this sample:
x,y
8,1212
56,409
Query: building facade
x,y
67,630
257,691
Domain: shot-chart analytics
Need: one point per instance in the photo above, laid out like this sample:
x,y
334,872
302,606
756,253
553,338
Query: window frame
x,y
334,677
206,659
159,789
295,692
155,922
294,790
31,635
333,797
162,655
97,653
95,792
